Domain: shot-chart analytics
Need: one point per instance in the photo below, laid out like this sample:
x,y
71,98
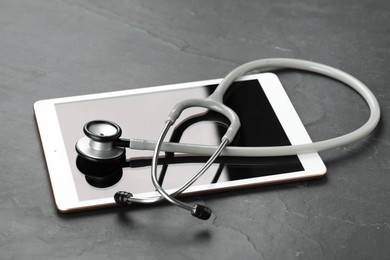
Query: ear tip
x,y
123,198
201,212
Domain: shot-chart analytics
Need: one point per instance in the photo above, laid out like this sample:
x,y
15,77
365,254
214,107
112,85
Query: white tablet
x,y
267,119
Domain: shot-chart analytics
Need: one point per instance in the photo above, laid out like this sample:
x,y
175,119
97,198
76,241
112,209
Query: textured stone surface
x,y
61,48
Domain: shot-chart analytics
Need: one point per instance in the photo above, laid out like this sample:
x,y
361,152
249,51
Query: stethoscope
x,y
102,153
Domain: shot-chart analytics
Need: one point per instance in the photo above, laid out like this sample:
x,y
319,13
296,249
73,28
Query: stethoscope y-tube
x,y
103,151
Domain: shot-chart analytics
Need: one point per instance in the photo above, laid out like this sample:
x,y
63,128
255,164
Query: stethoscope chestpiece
x,y
99,159
102,130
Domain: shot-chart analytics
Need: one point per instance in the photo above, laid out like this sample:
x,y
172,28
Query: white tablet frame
x,y
60,174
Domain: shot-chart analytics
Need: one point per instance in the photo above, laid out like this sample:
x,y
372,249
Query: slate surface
x,y
57,48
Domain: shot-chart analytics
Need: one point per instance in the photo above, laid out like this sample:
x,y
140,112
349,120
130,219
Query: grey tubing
x,y
267,65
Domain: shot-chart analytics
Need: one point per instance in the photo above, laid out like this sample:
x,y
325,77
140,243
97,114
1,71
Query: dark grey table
x,y
55,48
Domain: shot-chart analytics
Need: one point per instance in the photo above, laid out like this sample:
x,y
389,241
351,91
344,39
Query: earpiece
x,y
201,212
123,198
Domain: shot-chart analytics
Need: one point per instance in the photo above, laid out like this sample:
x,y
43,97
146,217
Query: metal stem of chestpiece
x,y
100,146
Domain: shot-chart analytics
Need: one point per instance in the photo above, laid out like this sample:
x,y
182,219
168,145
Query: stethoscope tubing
x,y
271,64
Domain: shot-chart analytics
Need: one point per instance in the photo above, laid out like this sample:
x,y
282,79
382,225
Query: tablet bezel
x,y
58,164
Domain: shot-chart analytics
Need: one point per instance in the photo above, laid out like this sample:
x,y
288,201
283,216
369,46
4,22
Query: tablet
x,y
267,119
